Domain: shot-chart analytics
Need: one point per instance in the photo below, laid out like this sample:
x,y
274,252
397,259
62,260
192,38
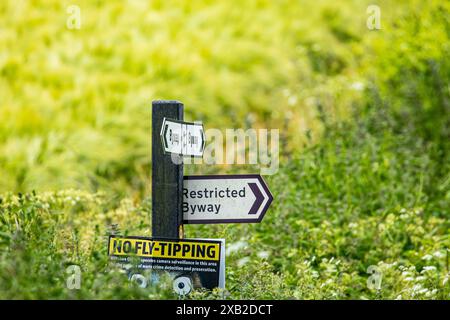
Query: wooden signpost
x,y
192,199
167,176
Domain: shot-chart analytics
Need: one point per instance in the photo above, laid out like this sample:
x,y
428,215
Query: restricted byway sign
x,y
183,138
225,199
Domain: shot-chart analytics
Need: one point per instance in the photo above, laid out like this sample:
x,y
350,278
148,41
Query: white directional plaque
x,y
183,138
225,199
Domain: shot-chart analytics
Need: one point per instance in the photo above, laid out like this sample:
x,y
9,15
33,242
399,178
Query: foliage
x,y
363,181
326,228
75,104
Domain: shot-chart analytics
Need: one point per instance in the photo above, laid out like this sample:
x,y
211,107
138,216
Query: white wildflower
x,y
243,261
427,257
326,283
423,291
417,288
428,268
357,86
352,225
292,100
409,279
235,247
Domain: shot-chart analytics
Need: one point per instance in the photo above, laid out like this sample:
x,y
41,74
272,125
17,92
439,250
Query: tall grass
x,y
364,180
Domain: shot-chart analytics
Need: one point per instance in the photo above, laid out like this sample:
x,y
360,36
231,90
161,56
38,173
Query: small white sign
x,y
183,138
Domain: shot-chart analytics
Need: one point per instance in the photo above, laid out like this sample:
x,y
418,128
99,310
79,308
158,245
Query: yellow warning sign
x,y
176,249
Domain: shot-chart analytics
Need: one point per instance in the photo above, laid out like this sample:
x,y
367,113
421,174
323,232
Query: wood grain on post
x,y
167,176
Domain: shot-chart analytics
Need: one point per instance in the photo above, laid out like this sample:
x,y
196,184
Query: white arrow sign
x,y
225,199
183,138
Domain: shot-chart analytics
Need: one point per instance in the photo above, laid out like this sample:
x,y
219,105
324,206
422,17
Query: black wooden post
x,y
167,176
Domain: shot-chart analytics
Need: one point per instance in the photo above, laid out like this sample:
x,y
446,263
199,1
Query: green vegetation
x,y
364,177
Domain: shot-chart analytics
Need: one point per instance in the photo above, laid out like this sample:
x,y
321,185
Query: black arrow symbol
x,y
164,135
202,136
259,198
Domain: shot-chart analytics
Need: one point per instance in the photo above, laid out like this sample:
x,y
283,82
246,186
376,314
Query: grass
x,y
74,102
364,115
339,208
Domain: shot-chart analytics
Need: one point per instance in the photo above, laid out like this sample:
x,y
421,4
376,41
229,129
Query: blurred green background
x,y
363,117
75,104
